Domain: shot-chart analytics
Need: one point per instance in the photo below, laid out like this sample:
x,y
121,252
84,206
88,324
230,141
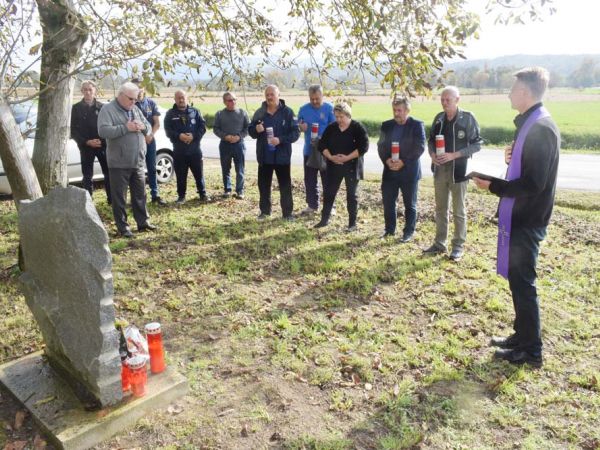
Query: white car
x,y
25,116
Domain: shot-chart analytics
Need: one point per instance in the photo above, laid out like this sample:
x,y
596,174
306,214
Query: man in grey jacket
x,y
231,126
124,128
453,138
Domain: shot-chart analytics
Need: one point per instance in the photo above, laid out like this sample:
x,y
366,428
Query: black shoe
x,y
147,227
518,357
126,233
386,235
226,194
289,218
321,224
180,200
159,201
406,237
263,216
204,198
434,250
504,342
350,228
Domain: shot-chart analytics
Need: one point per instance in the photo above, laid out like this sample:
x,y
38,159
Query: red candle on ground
x,y
155,347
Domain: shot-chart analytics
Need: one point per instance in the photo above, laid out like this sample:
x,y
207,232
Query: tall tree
x,y
64,34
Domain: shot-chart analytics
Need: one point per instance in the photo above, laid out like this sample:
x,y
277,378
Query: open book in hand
x,y
483,176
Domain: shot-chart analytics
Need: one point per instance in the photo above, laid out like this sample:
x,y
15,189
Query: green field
x,y
577,116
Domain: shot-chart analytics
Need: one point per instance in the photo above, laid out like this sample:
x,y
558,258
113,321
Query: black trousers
x,y
522,261
183,162
335,174
284,179
87,169
134,179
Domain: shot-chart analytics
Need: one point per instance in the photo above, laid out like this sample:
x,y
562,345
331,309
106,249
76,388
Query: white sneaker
x,y
308,211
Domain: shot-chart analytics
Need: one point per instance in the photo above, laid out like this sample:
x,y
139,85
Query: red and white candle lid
x,y
136,362
152,328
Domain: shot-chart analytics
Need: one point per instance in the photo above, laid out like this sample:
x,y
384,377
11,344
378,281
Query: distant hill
x,y
561,64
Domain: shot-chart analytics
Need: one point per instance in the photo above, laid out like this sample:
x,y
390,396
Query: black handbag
x,y
316,160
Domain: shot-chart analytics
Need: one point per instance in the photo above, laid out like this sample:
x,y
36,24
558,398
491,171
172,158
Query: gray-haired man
x,y
124,127
461,139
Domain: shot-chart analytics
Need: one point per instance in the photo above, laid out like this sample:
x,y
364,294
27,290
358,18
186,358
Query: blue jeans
x,y
151,167
311,184
522,261
235,152
391,184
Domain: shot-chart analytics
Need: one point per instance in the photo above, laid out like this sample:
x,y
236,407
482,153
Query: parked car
x,y
26,116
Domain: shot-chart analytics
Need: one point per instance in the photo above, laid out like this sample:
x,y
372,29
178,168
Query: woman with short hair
x,y
343,145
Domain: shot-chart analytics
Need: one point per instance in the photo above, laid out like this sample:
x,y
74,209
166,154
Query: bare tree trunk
x,y
15,160
64,33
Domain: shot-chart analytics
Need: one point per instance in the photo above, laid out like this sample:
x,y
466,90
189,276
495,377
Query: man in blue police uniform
x,y
150,111
315,114
185,126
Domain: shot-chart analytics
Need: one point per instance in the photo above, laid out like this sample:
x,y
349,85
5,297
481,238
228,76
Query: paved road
x,y
580,172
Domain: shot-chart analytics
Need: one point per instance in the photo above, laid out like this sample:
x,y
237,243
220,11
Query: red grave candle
x,y
155,347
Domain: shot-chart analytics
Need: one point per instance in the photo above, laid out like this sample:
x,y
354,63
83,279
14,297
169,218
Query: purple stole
x,y
507,203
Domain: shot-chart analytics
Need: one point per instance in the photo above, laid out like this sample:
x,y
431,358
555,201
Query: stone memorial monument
x,y
68,287
67,282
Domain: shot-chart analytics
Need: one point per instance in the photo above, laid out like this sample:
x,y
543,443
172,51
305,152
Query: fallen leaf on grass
x,y
244,431
276,437
175,409
396,390
377,365
355,378
19,418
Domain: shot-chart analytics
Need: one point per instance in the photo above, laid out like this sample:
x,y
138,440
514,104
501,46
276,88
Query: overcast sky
x,y
572,29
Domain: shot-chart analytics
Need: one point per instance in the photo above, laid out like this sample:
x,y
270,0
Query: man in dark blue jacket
x,y
401,168
185,126
275,129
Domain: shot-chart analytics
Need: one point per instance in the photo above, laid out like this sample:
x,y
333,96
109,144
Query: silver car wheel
x,y
164,167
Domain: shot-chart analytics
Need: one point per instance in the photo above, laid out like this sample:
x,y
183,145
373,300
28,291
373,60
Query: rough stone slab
x,y
68,286
61,414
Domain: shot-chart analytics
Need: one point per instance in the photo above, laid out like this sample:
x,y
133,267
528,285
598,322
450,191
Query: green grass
x,y
302,339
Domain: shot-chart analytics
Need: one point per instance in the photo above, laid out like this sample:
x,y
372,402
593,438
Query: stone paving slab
x,y
62,416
